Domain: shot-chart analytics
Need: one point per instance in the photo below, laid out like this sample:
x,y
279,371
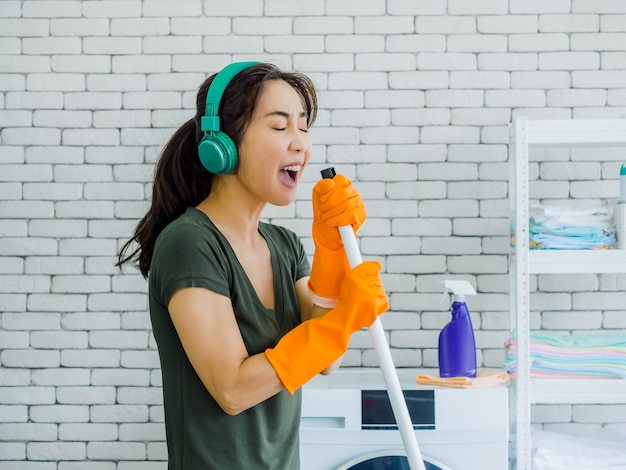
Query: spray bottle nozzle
x,y
459,289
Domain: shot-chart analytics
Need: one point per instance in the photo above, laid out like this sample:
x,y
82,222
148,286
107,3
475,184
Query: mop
x,y
377,333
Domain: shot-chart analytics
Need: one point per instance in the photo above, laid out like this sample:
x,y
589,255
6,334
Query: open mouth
x,y
291,172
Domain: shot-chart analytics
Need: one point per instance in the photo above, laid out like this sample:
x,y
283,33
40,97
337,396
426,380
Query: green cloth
x,y
191,252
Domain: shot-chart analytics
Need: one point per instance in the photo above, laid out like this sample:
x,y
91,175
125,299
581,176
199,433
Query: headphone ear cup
x,y
218,153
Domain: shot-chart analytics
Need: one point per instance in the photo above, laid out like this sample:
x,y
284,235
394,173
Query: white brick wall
x,y
415,102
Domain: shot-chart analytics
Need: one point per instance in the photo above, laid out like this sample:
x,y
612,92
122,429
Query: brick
x,y
569,60
459,7
24,283
137,321
50,45
421,226
112,45
87,432
27,246
384,25
324,62
255,7
52,191
243,44
144,432
13,228
416,43
91,137
446,61
612,23
445,25
15,119
93,100
141,63
28,432
85,395
15,377
91,465
22,64
59,413
56,451
56,302
79,27
121,119
12,451
84,209
568,23
507,24
57,154
543,80
354,44
26,396
322,25
598,79
539,42
112,9
20,27
14,340
90,357
86,247
116,451
277,44
130,172
140,26
118,301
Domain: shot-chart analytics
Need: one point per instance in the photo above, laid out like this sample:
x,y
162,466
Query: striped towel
x,y
573,356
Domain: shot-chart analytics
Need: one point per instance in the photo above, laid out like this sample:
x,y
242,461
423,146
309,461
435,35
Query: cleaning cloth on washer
x,y
484,378
556,451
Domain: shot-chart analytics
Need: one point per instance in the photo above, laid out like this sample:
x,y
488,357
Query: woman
x,y
231,300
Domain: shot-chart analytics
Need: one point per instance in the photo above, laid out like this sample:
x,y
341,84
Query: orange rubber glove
x,y
313,345
335,203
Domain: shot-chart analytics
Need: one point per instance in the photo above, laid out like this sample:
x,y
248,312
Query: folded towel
x,y
592,356
579,225
483,379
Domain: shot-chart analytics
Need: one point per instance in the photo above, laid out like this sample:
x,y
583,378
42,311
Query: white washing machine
x,y
348,424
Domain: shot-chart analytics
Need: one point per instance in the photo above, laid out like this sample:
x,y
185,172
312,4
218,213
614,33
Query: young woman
x,y
240,320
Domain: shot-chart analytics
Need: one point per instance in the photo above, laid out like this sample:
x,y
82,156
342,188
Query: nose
x,y
300,141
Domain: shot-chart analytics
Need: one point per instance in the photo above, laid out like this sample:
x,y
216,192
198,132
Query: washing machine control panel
x,y
377,413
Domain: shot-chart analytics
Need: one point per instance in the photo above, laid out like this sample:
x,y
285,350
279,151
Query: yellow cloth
x,y
483,379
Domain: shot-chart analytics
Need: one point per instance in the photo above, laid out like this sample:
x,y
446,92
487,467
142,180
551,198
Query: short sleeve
x,y
188,255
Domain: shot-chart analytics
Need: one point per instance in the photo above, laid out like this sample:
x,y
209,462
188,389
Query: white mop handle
x,y
396,397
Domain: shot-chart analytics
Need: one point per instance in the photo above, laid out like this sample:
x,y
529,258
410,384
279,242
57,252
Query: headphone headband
x,y
210,122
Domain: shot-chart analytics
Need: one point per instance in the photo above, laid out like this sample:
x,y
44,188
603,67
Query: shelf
x,y
576,261
578,391
577,132
526,134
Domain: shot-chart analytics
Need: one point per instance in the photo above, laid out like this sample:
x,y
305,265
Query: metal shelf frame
x,y
526,134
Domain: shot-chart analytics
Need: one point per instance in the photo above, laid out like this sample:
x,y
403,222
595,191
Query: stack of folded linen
x,y
555,451
567,356
578,225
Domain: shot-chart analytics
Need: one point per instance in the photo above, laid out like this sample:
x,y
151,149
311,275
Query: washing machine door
x,y
389,460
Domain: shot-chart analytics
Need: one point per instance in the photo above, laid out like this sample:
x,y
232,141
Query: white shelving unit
x,y
526,134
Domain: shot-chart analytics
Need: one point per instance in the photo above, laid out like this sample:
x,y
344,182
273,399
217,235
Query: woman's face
x,y
276,146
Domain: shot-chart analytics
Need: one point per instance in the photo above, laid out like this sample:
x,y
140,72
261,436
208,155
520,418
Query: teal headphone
x,y
217,151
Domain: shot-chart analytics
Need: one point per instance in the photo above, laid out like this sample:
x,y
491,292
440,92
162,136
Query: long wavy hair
x,y
180,180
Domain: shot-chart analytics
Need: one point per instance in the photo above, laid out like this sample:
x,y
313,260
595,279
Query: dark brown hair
x,y
180,180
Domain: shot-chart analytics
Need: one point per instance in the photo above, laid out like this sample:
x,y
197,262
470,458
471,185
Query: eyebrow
x,y
286,115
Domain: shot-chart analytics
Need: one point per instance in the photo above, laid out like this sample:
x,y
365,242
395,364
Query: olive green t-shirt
x,y
191,252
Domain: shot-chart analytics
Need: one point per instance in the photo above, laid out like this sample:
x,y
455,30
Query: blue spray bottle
x,y
457,345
